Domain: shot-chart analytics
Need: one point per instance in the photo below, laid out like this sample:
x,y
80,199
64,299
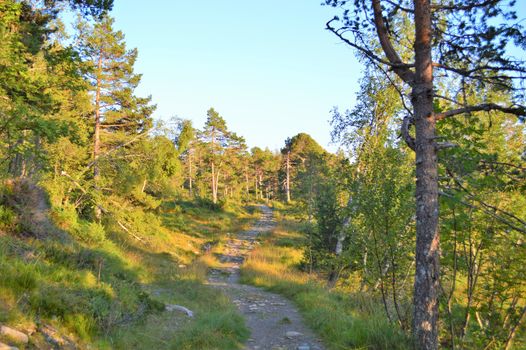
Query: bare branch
x,y
406,123
469,72
465,7
486,205
442,145
518,111
383,35
399,7
447,99
368,53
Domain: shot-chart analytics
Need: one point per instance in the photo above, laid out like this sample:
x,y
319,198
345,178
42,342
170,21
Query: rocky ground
x,y
274,321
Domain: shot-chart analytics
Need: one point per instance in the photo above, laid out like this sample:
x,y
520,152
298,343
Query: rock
x,y
293,334
303,347
173,307
53,337
7,347
14,335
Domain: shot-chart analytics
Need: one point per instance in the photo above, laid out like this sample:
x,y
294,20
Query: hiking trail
x,y
273,320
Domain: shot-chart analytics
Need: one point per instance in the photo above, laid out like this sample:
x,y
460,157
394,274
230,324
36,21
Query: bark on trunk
x,y
214,184
343,231
426,287
96,135
214,188
287,182
256,186
247,189
190,173
261,185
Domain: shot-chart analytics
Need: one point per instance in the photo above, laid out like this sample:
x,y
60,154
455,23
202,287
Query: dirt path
x,y
273,320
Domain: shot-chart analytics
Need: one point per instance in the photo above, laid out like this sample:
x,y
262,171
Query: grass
x,y
344,319
106,287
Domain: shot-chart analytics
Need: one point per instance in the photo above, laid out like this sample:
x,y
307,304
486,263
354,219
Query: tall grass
x,y
106,288
344,319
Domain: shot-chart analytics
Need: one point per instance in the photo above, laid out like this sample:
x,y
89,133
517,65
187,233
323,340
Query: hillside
x,y
221,175
69,284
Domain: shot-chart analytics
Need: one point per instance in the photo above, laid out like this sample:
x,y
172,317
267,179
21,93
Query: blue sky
x,y
268,67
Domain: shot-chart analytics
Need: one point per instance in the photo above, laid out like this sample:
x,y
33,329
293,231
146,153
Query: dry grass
x,y
344,320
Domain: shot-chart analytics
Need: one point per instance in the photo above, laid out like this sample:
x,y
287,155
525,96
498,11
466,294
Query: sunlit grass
x,y
110,292
344,319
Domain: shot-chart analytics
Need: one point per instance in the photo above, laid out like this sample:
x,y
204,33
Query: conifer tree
x,y
119,115
452,43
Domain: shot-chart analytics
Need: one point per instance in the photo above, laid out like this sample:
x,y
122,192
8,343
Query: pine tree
x,y
216,137
466,42
119,116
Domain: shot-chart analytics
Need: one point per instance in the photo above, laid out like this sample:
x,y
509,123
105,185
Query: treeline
x,y
72,122
448,263
361,235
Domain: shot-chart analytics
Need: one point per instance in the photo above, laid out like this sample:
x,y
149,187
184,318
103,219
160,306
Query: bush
x,y
8,219
65,216
90,232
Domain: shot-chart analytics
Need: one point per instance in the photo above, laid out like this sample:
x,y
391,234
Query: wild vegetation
x,y
108,216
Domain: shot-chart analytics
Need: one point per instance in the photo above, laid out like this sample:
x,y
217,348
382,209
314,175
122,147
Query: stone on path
x,y
274,322
293,334
14,335
7,347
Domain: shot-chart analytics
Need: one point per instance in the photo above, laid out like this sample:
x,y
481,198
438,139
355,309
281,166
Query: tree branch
x,y
383,35
368,53
466,7
399,7
406,123
518,111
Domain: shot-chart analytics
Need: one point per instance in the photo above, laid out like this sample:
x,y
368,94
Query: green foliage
x,y
90,232
344,320
8,218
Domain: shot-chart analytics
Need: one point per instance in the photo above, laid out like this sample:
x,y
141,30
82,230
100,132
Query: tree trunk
x,y
426,288
214,184
96,135
247,189
214,187
338,249
256,186
261,185
287,182
190,173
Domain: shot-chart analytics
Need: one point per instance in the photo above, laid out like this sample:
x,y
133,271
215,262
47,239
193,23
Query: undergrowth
x,y
344,319
106,286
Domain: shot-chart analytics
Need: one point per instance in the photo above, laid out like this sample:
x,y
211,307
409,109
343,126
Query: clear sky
x,y
267,66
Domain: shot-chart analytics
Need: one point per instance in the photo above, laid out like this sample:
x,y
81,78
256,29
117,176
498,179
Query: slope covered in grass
x,y
107,284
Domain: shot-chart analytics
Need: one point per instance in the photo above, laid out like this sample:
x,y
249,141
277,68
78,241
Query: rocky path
x,y
274,321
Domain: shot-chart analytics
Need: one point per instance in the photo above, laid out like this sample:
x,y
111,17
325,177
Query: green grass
x,y
344,319
107,288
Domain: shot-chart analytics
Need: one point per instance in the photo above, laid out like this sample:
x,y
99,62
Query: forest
x,y
115,226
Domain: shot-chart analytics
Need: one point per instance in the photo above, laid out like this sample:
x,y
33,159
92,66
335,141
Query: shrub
x,y
8,219
90,232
